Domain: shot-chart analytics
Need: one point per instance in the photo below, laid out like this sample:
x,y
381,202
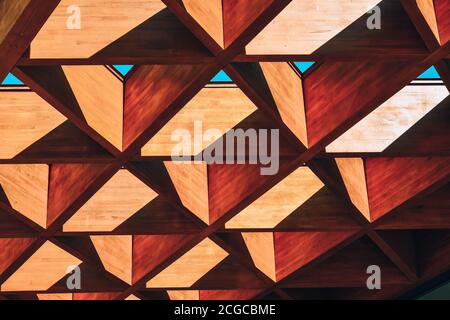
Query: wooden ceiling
x,y
86,177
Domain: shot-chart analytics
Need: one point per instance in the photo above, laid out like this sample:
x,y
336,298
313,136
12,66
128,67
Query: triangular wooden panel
x,y
26,189
295,190
24,118
115,253
44,268
121,197
12,249
190,267
261,248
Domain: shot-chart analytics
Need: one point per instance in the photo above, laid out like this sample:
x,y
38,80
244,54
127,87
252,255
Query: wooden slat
x,y
442,9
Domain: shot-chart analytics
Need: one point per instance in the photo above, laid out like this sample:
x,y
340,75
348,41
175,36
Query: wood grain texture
x,y
100,96
388,122
24,118
332,94
428,213
228,294
209,15
204,115
115,253
161,248
190,267
150,91
191,183
233,27
120,198
392,181
67,184
45,267
442,9
54,296
348,268
118,17
12,248
262,250
353,174
26,189
426,7
304,26
287,91
296,249
183,294
279,202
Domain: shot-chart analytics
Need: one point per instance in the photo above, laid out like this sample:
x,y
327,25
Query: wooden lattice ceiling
x,y
86,175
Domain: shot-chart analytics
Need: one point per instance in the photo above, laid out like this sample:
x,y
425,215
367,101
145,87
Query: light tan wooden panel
x,y
354,177
100,96
115,252
209,15
304,26
54,296
102,22
191,182
426,7
388,122
207,110
279,202
26,187
262,250
287,90
132,297
188,269
10,11
121,197
24,118
43,269
184,294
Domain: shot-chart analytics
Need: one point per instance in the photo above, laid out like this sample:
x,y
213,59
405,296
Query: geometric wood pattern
x,y
87,178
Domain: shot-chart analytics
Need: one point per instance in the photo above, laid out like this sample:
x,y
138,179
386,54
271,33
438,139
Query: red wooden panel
x,y
247,13
67,184
11,249
150,91
442,9
149,251
294,250
228,294
392,181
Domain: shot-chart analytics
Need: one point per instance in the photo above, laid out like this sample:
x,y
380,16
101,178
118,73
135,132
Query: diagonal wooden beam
x,y
21,21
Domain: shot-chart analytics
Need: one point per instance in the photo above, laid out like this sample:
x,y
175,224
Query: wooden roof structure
x,y
86,177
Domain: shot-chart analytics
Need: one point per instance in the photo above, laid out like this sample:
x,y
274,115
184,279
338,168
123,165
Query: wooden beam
x,y
21,21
